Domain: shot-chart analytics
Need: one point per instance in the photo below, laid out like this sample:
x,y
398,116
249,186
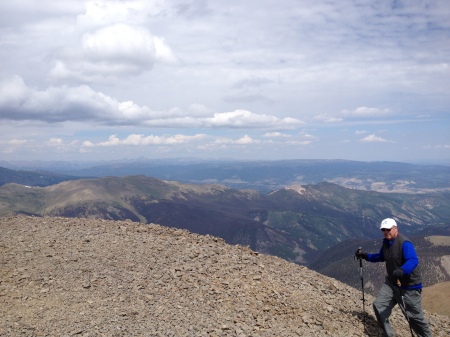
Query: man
x,y
403,283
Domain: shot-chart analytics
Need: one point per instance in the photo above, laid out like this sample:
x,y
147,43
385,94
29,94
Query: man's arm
x,y
377,257
410,256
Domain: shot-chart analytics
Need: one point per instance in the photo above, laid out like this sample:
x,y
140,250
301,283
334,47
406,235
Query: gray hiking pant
x,y
391,295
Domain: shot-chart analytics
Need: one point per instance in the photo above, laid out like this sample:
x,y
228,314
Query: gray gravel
x,y
78,277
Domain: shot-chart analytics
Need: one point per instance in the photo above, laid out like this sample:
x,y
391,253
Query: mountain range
x,y
263,176
318,224
295,223
32,178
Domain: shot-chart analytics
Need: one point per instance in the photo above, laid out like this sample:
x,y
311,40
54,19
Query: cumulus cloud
x,y
96,66
304,135
248,119
143,140
373,139
81,103
118,50
246,140
139,140
55,142
55,104
233,119
111,40
276,135
103,13
123,43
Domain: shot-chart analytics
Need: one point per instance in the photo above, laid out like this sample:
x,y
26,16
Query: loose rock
x,y
78,277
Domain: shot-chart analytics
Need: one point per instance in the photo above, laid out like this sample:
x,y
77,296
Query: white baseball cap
x,y
388,223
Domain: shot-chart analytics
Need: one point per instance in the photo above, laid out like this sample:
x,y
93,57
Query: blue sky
x,y
99,80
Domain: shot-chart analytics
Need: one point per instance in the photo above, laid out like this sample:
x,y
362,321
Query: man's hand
x,y
398,273
361,255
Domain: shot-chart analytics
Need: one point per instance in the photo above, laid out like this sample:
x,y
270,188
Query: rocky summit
x,y
78,277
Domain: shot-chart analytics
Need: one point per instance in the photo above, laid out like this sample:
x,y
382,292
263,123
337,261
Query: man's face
x,y
390,234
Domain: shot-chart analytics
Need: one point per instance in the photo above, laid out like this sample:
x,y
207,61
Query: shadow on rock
x,y
371,327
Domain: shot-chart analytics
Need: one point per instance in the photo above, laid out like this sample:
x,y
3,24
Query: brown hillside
x,y
78,277
436,298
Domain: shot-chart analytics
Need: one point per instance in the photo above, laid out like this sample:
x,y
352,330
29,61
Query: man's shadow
x,y
371,327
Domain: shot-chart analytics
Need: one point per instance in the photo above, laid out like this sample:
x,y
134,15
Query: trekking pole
x,y
361,274
403,307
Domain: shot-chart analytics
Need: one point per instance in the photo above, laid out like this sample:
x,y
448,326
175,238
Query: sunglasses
x,y
386,229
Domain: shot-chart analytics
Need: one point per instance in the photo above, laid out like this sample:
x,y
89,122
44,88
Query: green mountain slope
x,y
32,178
294,223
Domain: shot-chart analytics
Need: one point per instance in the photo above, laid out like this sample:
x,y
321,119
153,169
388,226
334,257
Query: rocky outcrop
x,y
78,277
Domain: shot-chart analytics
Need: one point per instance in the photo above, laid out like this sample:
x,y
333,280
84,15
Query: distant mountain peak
x,y
297,188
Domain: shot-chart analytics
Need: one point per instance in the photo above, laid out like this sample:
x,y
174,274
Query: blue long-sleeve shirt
x,y
409,254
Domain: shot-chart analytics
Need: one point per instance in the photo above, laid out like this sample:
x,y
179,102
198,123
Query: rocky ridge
x,y
81,277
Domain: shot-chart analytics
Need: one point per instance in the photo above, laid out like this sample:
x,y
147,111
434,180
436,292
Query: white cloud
x,y
55,104
246,140
123,43
248,119
119,50
87,143
303,139
307,136
299,142
199,140
365,112
12,92
101,67
17,142
276,135
237,119
102,13
373,139
55,142
141,140
81,103
327,118
355,114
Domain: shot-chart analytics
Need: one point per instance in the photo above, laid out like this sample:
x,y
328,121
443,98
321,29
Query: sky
x,y
361,80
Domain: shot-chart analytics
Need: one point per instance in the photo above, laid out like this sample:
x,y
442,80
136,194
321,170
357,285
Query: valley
x,y
316,225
